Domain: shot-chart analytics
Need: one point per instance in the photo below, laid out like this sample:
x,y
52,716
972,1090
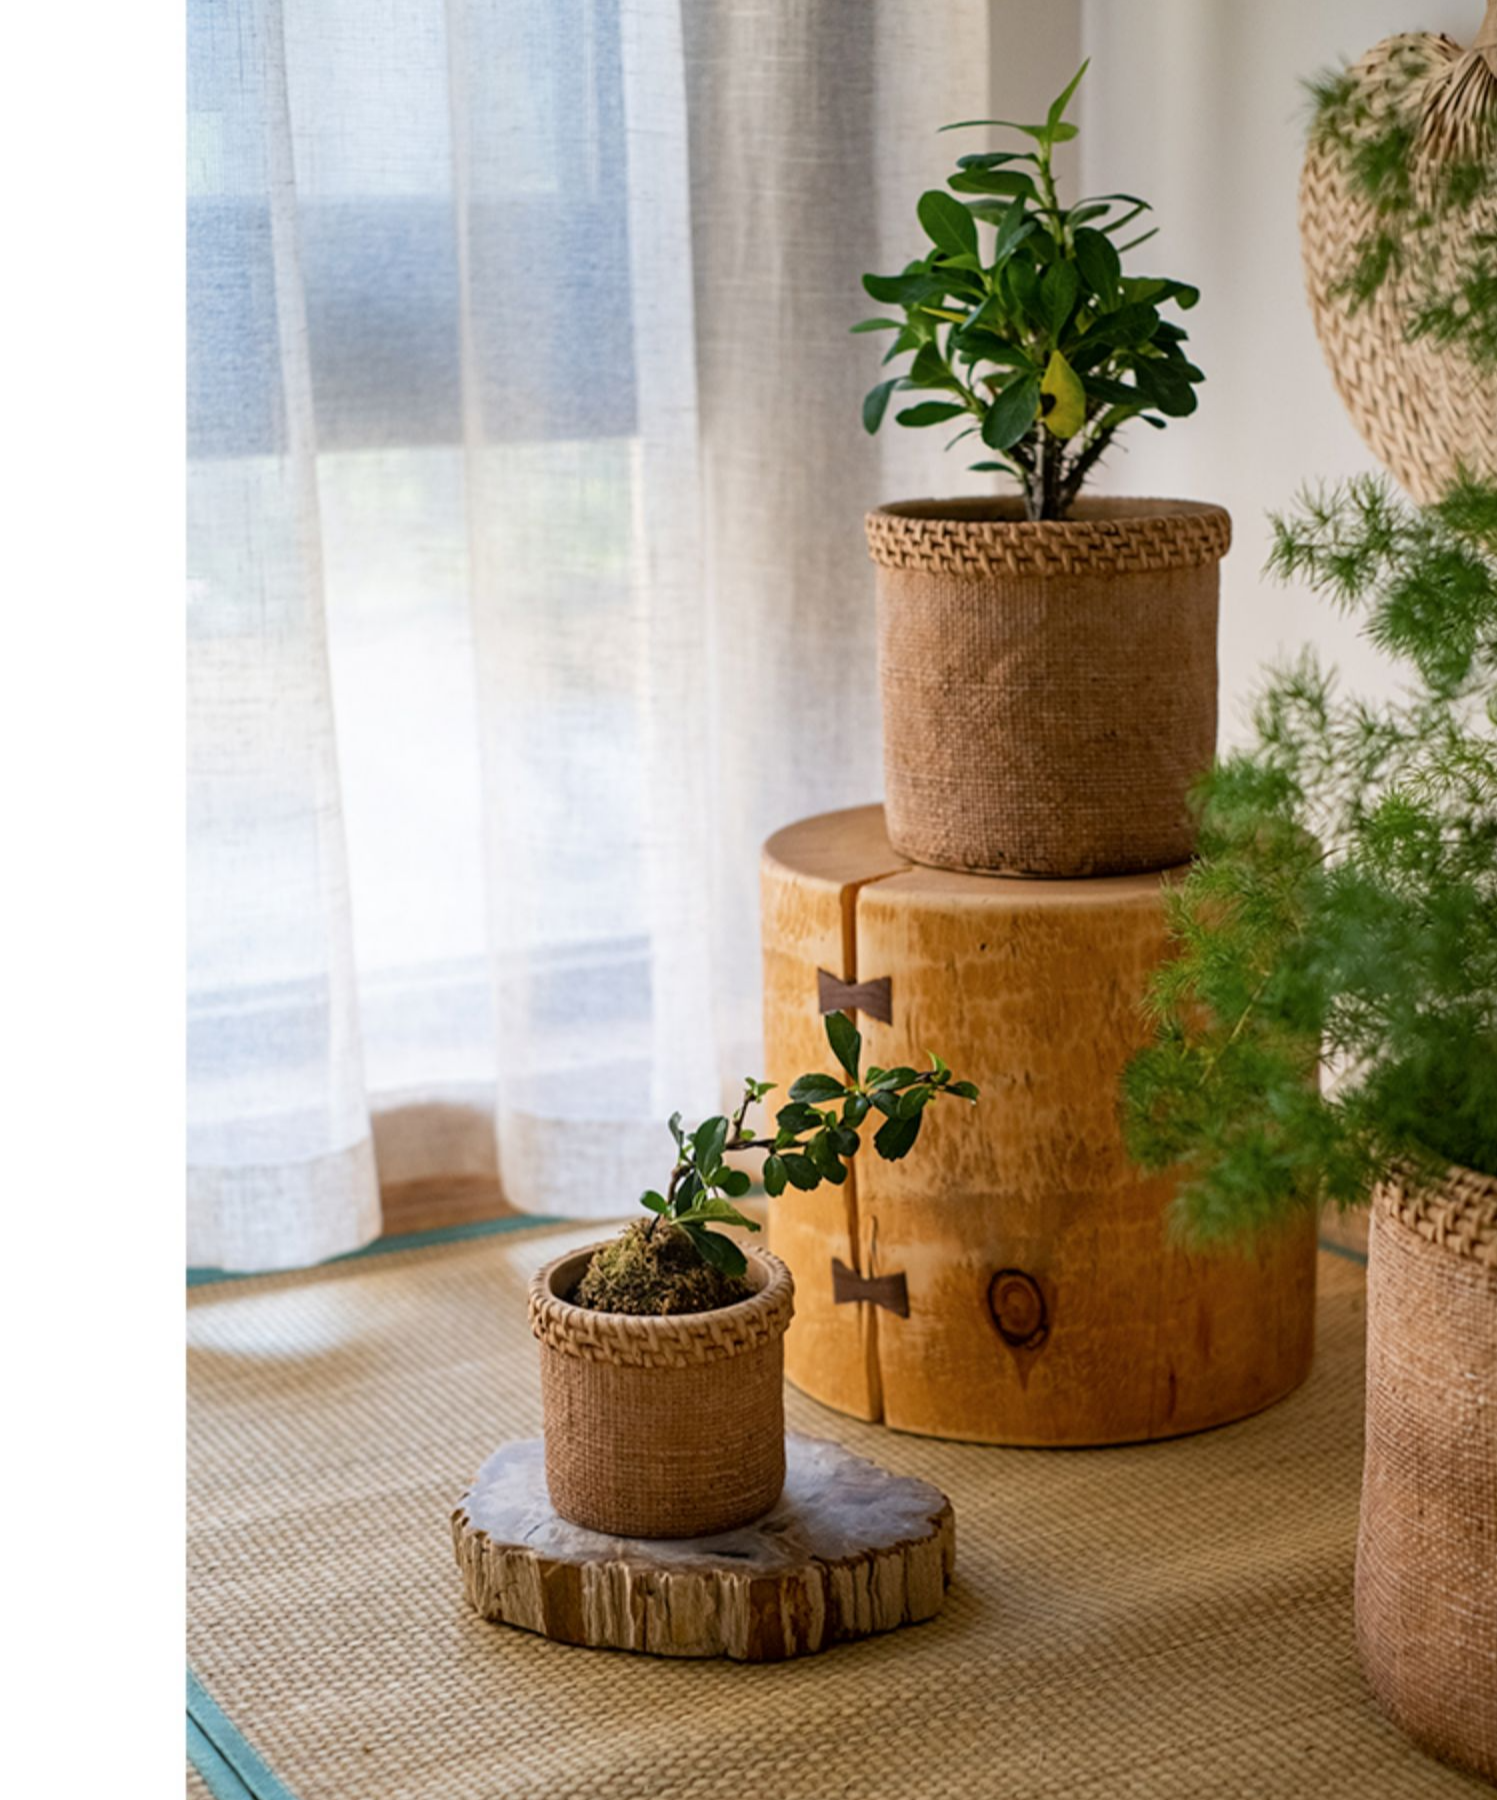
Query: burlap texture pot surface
x,y
1049,687
663,1427
1426,1588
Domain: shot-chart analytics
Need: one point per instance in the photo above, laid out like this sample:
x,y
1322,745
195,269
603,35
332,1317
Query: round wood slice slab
x,y
850,1550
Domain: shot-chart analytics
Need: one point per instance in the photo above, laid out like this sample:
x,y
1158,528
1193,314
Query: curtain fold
x,y
281,1165
529,590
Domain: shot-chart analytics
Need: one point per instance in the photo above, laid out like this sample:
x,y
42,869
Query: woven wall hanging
x,y
1398,220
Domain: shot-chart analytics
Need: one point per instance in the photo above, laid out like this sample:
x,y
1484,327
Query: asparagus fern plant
x,y
1345,903
1036,342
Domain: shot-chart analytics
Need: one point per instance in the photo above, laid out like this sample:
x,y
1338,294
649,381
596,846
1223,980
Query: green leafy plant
x,y
815,1135
1037,343
1345,903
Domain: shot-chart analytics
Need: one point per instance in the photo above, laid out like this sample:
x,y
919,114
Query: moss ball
x,y
654,1274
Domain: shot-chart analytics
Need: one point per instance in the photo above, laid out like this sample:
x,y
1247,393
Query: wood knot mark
x,y
1018,1309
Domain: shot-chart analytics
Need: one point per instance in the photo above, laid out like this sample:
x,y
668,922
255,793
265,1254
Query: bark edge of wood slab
x,y
849,1551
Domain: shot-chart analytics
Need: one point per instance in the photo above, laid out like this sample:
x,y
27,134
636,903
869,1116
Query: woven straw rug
x,y
1164,1620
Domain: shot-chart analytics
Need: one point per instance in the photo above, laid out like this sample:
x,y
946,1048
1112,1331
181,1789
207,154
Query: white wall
x,y
1197,106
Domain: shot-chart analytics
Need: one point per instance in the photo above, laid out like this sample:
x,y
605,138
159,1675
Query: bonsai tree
x,y
676,1261
1345,903
1037,343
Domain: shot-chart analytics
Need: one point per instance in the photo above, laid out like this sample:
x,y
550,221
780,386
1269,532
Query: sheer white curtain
x,y
527,583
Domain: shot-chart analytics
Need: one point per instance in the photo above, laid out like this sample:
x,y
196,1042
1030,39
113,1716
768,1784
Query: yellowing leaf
x,y
1062,398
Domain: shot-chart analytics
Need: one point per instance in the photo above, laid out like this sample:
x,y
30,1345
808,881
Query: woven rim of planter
x,y
676,1341
1103,536
1456,1210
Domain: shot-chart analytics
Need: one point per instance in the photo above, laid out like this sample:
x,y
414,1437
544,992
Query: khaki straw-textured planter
x,y
1049,687
663,1427
1427,1550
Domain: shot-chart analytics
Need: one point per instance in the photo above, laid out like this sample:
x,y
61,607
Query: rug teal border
x,y
218,1776
482,1228
1345,1252
387,1246
223,1756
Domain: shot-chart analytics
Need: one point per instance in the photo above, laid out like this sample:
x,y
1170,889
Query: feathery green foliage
x,y
1040,345
1345,901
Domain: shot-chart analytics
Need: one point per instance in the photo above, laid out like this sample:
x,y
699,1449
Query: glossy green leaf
x,y
903,290
708,1141
817,1087
801,1172
1142,238
719,1251
774,1176
1044,134
1015,227
1013,411
1115,393
1059,287
876,404
845,1039
1008,183
797,1117
710,1207
930,368
992,159
1100,266
1021,282
947,223
855,1109
929,412
876,325
896,1137
891,1078
1062,100
822,1151
984,347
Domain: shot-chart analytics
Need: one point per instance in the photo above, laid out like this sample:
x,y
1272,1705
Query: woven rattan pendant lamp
x,y
1422,404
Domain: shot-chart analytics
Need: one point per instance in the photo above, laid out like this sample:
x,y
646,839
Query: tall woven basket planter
x,y
1049,687
1426,1595
663,1427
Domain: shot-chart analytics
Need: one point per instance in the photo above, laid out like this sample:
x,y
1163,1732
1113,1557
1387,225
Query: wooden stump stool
x,y
1011,1282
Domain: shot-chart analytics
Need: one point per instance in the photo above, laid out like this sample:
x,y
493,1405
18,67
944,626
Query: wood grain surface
x,y
1047,1303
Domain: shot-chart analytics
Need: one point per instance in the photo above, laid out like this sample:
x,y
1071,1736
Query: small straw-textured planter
x,y
1426,1594
663,1427
1049,687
